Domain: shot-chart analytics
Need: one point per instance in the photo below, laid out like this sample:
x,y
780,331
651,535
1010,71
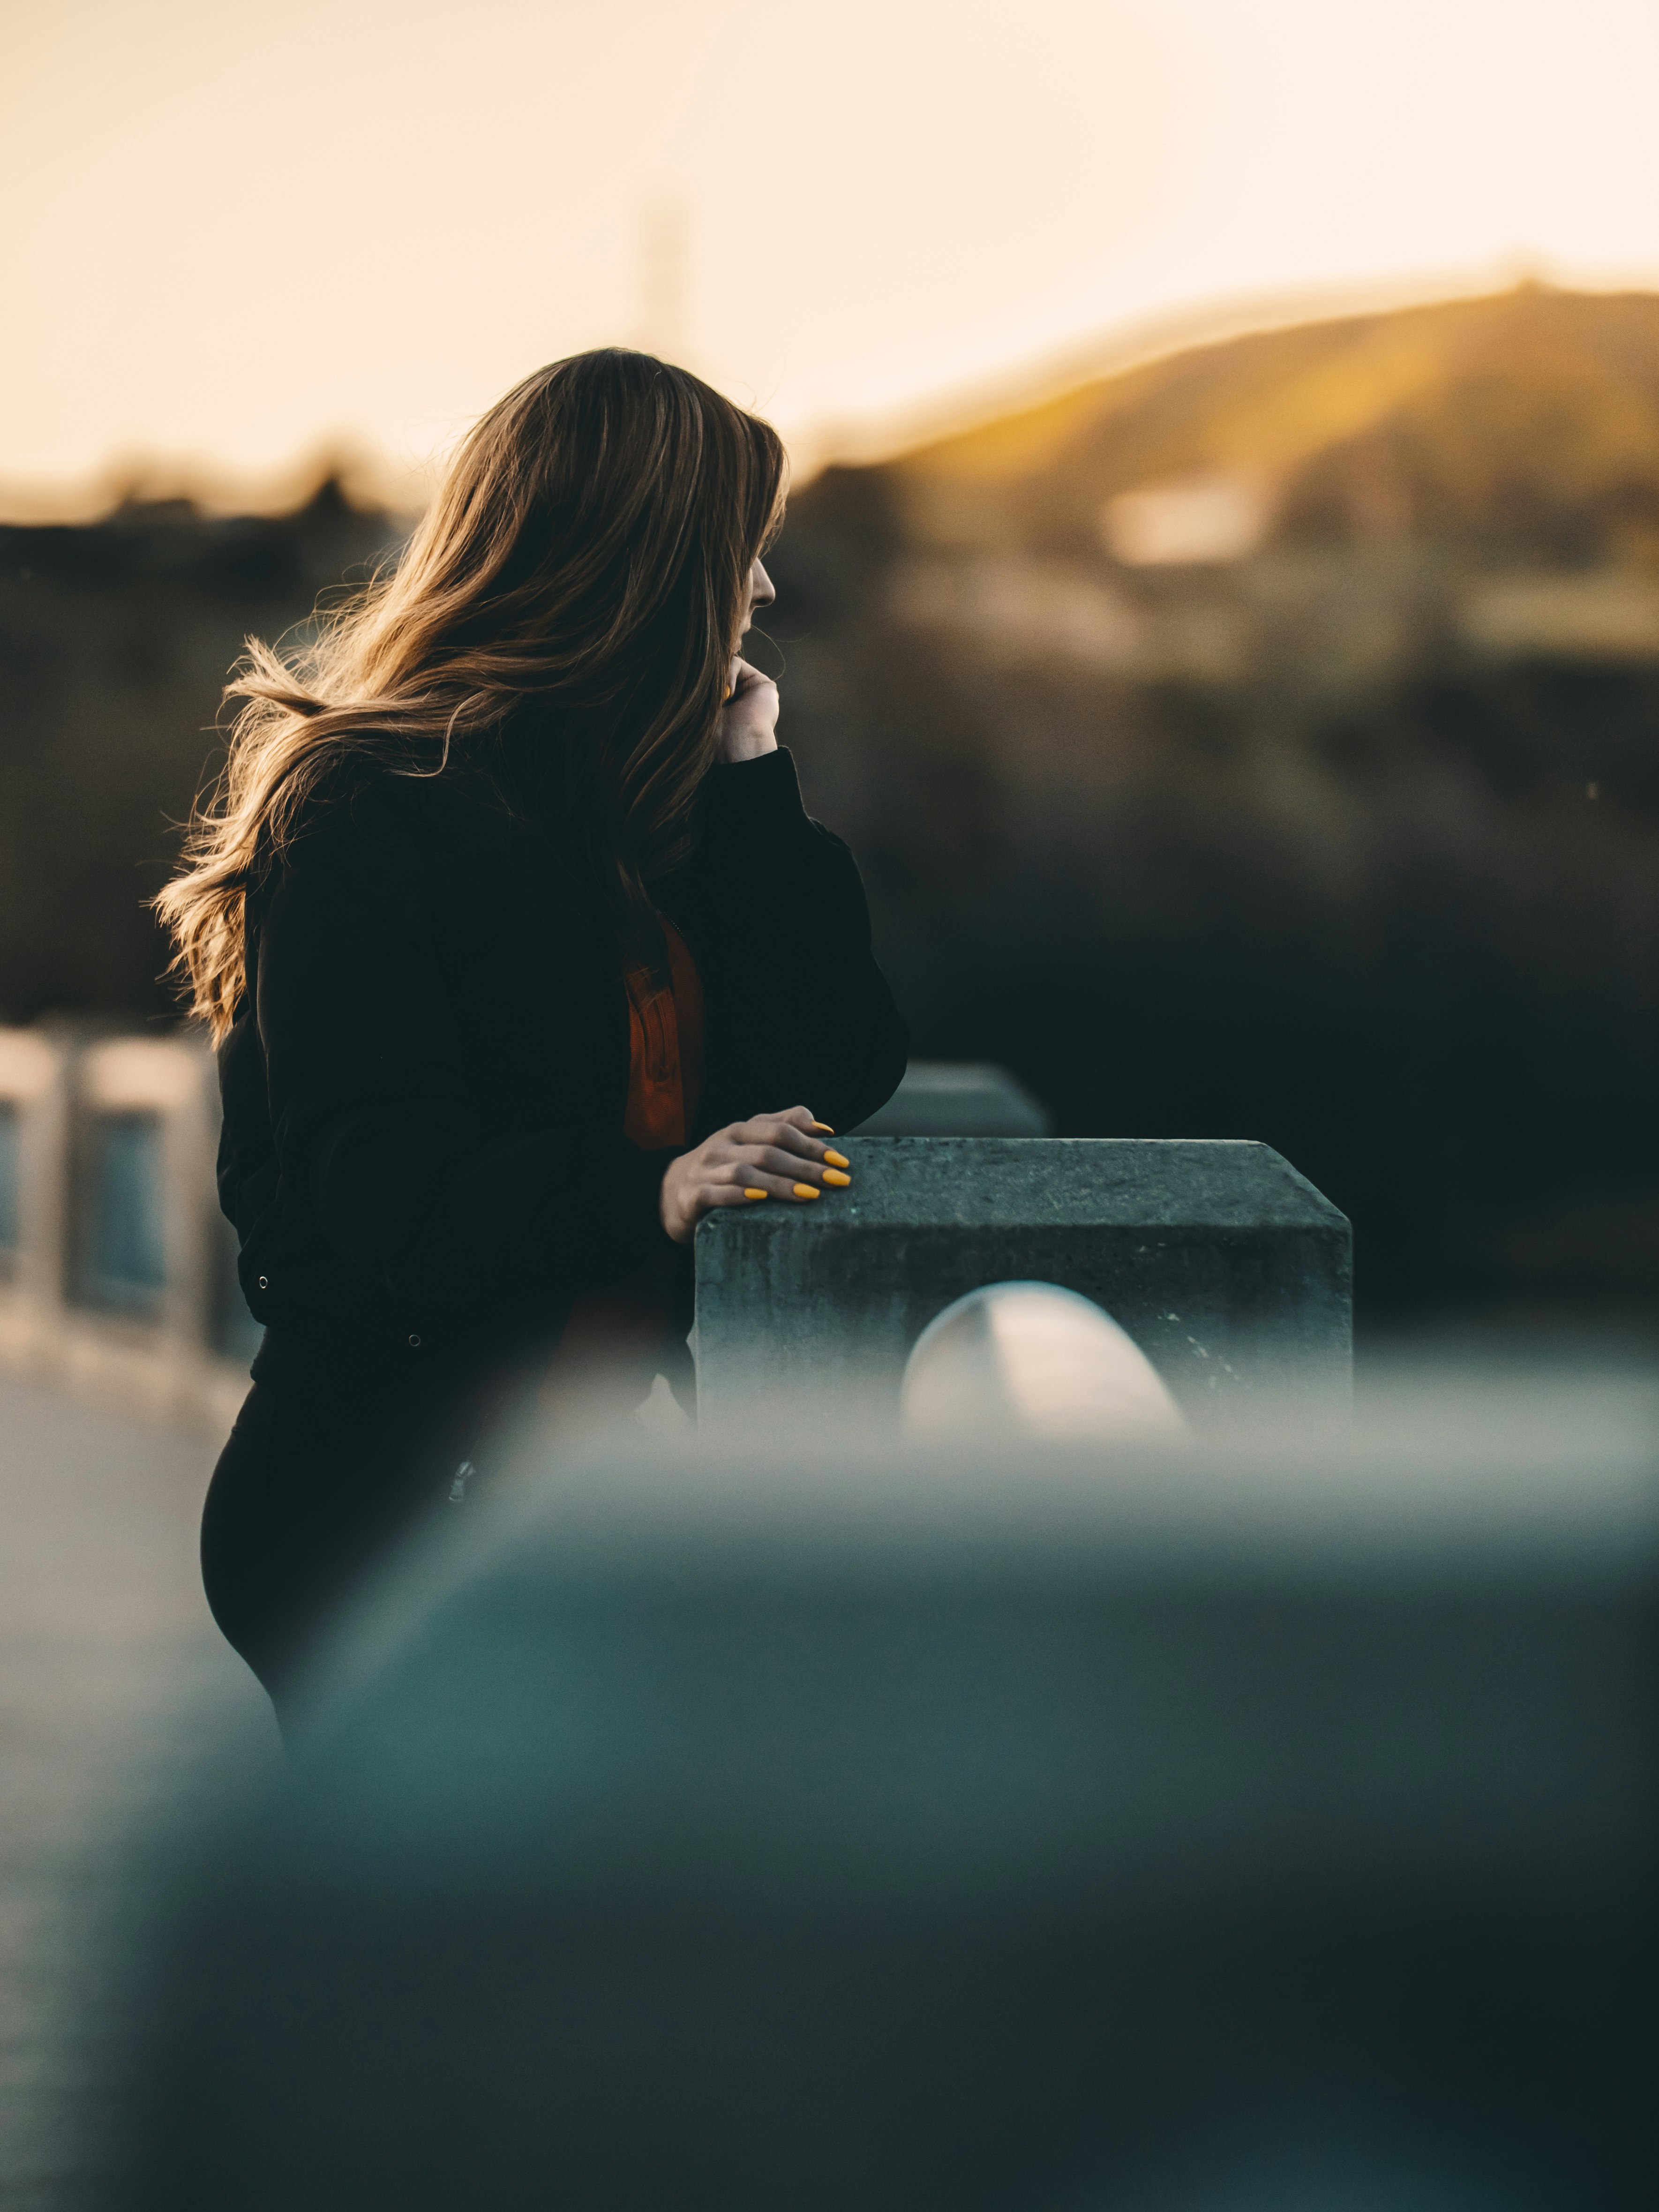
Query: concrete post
x,y
35,1087
958,1098
155,1341
165,1080
1228,1268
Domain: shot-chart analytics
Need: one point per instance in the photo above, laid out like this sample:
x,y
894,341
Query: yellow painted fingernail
x,y
825,1125
754,1194
807,1190
835,1176
835,1160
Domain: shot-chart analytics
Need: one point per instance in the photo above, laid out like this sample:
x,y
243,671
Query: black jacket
x,y
424,1093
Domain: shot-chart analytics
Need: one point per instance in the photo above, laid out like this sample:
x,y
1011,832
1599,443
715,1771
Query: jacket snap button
x,y
415,1341
264,1282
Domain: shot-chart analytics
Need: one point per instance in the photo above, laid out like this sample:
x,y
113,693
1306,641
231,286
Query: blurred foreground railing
x,y
116,1267
1182,1827
957,1098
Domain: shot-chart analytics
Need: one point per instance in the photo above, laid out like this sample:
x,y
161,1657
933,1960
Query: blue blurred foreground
x,y
1152,1827
119,1704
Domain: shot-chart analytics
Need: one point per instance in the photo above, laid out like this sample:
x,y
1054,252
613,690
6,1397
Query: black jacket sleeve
x,y
799,1012
389,1134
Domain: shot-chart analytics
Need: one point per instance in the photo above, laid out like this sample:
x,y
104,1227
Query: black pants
x,y
321,1477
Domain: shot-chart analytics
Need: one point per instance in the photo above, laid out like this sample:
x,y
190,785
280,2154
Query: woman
x,y
513,935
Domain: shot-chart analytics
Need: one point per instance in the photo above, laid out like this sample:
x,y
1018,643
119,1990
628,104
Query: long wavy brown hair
x,y
568,608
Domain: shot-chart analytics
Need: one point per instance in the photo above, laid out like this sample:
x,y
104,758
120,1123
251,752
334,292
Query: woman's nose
x,y
761,593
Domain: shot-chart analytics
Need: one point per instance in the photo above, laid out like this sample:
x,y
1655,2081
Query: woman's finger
x,y
783,1136
746,1136
711,1194
746,1168
753,1185
745,676
773,1159
759,1163
834,1164
789,1135
795,1117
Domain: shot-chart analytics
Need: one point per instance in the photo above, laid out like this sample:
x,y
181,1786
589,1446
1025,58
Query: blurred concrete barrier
x,y
115,1268
953,1098
950,1831
1227,1268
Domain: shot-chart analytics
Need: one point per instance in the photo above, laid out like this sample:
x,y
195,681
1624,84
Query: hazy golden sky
x,y
234,233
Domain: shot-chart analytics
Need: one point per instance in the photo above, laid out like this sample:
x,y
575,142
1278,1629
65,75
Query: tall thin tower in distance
x,y
664,287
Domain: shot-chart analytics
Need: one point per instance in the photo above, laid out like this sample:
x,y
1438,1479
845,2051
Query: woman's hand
x,y
775,1156
748,722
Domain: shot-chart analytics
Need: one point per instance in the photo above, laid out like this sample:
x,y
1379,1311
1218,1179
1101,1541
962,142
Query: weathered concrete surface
x,y
1227,1267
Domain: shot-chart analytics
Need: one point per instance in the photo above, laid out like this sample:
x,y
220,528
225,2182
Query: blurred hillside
x,y
1260,743
1523,425
1265,742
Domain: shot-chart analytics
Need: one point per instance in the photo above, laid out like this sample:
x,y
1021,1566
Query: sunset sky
x,y
234,235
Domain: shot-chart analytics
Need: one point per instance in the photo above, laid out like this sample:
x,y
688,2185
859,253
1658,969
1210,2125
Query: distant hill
x,y
1264,742
1523,425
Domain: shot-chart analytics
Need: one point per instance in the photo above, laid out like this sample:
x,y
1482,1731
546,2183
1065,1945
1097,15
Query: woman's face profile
x,y
749,717
761,594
